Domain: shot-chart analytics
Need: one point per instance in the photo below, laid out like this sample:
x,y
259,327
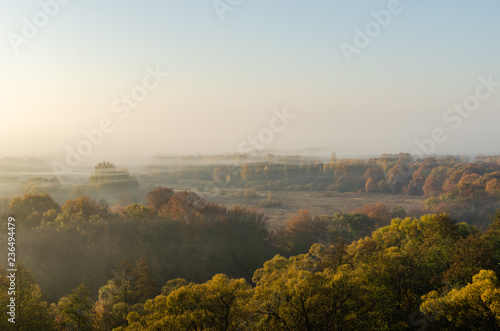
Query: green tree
x,y
300,294
473,307
350,227
138,213
468,256
81,213
115,298
32,312
218,304
75,310
144,286
30,209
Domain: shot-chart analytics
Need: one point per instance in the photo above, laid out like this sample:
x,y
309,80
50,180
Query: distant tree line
x,y
467,190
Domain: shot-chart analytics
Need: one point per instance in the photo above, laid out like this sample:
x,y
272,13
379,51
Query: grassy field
x,y
319,203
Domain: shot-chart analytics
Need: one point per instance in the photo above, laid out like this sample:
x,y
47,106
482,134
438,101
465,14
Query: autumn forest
x,y
127,251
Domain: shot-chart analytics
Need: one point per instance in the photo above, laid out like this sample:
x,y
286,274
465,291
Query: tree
x,y
122,280
29,209
183,206
173,285
115,299
350,227
144,286
128,198
379,212
81,212
468,256
470,186
159,197
302,231
371,186
246,172
110,179
400,175
32,312
434,182
398,212
453,178
383,186
218,304
394,287
473,307
74,311
298,294
419,176
493,187
138,213
374,173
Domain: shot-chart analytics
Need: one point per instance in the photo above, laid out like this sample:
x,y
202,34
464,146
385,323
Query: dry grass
x,y
319,203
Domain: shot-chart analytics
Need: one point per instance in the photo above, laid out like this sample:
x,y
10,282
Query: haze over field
x,y
368,77
249,165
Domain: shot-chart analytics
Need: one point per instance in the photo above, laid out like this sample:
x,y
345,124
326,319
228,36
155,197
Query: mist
x,y
249,165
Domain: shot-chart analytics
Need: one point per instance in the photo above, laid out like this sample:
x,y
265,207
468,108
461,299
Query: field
x,y
319,203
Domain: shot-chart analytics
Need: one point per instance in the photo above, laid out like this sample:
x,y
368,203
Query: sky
x,y
352,77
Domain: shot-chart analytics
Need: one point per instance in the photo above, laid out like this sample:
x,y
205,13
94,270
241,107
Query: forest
x,y
125,251
232,165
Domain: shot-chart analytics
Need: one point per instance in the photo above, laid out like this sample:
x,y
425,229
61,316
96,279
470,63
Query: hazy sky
x,y
227,78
